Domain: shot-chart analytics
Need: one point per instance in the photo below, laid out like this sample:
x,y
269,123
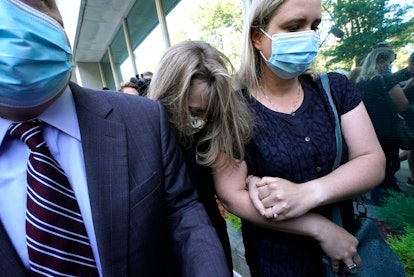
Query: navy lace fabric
x,y
299,147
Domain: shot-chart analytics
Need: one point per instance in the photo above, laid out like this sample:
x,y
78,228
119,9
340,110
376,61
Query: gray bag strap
x,y
336,214
338,134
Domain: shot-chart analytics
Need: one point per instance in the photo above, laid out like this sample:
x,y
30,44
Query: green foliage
x,y
403,246
220,23
365,23
398,211
235,221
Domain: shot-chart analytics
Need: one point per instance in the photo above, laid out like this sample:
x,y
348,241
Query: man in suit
x,y
118,153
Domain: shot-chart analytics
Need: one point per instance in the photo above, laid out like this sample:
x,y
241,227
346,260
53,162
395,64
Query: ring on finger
x,y
352,266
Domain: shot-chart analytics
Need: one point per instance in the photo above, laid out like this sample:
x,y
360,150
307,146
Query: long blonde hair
x,y
251,62
372,64
230,123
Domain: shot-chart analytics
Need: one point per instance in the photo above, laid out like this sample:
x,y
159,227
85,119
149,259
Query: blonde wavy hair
x,y
373,63
251,62
230,122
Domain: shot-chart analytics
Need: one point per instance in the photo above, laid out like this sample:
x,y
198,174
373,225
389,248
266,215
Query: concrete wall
x,y
87,75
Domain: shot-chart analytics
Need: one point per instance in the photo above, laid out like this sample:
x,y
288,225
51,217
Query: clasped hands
x,y
279,199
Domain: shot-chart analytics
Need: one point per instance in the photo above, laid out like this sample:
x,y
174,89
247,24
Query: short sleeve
x,y
344,93
390,81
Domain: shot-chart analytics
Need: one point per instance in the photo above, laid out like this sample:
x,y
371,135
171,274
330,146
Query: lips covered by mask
x,y
292,53
197,123
35,56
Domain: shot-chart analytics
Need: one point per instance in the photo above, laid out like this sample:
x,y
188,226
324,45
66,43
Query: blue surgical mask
x,y
35,56
389,68
292,53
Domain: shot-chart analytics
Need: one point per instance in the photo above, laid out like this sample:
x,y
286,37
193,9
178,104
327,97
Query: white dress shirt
x,y
61,133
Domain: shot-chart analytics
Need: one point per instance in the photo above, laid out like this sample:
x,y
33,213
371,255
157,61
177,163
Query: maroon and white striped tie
x,y
56,236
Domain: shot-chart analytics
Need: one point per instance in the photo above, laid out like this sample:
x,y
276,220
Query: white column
x,y
113,68
103,80
129,46
163,24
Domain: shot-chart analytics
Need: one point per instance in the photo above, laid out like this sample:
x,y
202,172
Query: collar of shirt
x,y
61,115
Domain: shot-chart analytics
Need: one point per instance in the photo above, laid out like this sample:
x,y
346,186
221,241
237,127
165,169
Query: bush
x,y
398,211
403,246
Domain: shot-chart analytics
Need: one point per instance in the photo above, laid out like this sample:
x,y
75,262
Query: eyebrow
x,y
299,21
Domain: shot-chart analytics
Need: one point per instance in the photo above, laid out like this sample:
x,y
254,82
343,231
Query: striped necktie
x,y
56,237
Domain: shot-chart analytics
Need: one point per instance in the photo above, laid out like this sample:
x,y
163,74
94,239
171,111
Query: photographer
x,y
142,82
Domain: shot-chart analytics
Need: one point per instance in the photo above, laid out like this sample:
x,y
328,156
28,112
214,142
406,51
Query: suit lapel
x,y
11,264
105,153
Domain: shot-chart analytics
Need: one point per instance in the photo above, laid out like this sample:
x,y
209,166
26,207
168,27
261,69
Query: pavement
x,y
240,266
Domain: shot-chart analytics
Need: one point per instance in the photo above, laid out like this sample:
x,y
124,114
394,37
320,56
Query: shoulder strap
x,y
336,214
338,134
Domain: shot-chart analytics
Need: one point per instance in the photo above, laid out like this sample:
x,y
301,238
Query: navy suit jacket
x,y
145,211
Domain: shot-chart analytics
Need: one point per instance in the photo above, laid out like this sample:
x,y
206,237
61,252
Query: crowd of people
x,y
146,170
388,98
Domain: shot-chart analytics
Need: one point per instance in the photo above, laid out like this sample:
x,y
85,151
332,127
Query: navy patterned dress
x,y
299,148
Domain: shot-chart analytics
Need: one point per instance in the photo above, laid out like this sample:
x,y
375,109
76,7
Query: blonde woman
x,y
287,217
193,80
384,99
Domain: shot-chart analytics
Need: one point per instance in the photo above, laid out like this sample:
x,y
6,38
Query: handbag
x,y
379,260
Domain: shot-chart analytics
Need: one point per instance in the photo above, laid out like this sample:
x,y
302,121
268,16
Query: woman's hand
x,y
340,246
280,199
251,185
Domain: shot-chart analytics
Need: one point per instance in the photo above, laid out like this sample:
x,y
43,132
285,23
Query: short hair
x,y
411,58
129,85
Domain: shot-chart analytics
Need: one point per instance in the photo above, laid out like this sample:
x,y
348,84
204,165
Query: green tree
x,y
365,23
220,23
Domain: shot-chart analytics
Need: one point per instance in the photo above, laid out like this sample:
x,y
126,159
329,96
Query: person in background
x,y
385,44
143,82
405,77
354,73
286,211
129,180
193,80
384,99
129,88
147,75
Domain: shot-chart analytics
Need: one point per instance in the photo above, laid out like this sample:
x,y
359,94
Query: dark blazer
x,y
142,202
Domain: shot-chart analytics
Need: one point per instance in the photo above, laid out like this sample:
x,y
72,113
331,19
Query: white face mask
x,y
292,53
197,123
